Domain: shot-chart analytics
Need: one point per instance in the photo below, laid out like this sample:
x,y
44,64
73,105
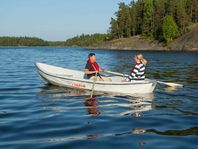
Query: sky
x,y
56,20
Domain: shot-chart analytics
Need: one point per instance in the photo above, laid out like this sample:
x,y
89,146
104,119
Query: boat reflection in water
x,y
129,105
138,104
61,99
92,106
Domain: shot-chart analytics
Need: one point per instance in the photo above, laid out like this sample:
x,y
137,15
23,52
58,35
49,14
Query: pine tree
x,y
182,19
114,29
128,23
121,19
192,10
148,16
170,28
133,18
159,13
139,15
170,6
124,20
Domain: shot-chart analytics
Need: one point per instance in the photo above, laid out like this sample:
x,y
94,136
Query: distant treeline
x,y
87,40
83,40
163,20
159,19
56,43
22,41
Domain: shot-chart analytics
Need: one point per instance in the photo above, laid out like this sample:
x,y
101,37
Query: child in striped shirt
x,y
138,71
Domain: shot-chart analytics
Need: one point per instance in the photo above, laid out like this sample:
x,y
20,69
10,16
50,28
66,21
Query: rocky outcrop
x,y
133,43
187,42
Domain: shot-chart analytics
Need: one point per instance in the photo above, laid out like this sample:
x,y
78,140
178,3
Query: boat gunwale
x,y
91,82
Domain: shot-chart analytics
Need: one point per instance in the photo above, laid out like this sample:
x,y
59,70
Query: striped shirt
x,y
138,72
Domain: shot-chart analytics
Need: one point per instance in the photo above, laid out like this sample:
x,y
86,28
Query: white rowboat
x,y
75,79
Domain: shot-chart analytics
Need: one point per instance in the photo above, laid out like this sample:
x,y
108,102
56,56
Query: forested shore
x,y
163,20
22,41
154,24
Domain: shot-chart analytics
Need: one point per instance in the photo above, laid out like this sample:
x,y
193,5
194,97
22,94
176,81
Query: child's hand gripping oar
x,y
160,82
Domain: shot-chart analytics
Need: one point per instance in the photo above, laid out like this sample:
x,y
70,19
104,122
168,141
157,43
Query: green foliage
x,y
56,43
123,21
170,28
22,41
114,29
192,10
182,19
139,7
133,13
86,40
159,13
145,17
148,16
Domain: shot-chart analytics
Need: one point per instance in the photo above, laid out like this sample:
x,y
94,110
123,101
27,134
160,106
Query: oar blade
x,y
171,84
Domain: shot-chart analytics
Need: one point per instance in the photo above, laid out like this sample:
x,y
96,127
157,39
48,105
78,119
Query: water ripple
x,y
37,115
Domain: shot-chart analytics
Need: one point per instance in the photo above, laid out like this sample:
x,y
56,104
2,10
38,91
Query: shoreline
x,y
140,49
105,49
145,50
186,43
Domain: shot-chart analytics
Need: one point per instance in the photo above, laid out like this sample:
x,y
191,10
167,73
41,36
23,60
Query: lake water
x,y
36,115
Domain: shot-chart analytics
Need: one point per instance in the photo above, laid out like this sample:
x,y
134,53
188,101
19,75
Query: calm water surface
x,y
36,115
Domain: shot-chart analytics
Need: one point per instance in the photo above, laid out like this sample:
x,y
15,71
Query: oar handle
x,y
117,73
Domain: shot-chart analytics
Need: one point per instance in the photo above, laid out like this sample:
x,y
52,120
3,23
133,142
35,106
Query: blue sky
x,y
55,19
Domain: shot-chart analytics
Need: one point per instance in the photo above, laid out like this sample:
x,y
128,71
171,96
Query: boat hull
x,y
136,87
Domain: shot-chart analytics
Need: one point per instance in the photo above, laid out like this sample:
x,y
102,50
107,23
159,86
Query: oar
x,y
93,86
117,73
171,84
165,83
